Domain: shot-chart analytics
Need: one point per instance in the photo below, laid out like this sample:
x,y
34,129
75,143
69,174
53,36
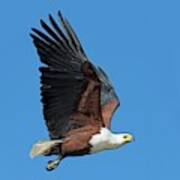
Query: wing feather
x,y
64,83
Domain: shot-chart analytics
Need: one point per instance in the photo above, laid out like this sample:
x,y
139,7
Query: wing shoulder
x,y
109,99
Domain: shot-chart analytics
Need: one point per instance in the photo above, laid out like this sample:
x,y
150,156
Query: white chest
x,y
102,141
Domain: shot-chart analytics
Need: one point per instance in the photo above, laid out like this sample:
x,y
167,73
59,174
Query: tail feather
x,y
43,147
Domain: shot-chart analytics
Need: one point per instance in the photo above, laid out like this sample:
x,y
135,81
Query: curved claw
x,y
53,164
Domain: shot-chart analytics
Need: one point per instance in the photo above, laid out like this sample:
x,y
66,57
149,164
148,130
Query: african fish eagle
x,y
78,97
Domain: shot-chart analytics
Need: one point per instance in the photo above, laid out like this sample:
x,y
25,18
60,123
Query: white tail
x,y
43,147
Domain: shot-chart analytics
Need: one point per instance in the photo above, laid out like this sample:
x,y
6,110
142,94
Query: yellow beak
x,y
129,138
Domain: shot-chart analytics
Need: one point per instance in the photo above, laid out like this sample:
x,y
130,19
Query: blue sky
x,y
138,45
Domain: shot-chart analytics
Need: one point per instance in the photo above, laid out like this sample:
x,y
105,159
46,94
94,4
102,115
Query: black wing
x,y
62,80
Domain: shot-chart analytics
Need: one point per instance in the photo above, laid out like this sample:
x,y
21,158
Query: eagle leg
x,y
53,164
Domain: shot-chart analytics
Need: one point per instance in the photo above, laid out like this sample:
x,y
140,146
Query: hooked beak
x,y
129,138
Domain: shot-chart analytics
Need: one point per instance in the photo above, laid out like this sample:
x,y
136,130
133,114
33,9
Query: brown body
x,y
78,141
87,117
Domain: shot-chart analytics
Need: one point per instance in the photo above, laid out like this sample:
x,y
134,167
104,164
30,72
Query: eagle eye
x,y
125,137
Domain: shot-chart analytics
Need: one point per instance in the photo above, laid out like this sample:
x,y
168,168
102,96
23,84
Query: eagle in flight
x,y
78,98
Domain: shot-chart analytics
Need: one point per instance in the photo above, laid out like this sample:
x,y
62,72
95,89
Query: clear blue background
x,y
138,45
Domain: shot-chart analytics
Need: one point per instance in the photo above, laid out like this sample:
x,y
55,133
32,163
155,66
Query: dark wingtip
x,y
41,21
60,15
50,17
33,29
31,35
43,24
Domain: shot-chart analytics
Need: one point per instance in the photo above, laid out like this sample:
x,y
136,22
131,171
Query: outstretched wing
x,y
67,79
109,100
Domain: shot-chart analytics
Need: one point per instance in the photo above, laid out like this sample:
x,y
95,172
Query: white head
x,y
107,140
121,139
